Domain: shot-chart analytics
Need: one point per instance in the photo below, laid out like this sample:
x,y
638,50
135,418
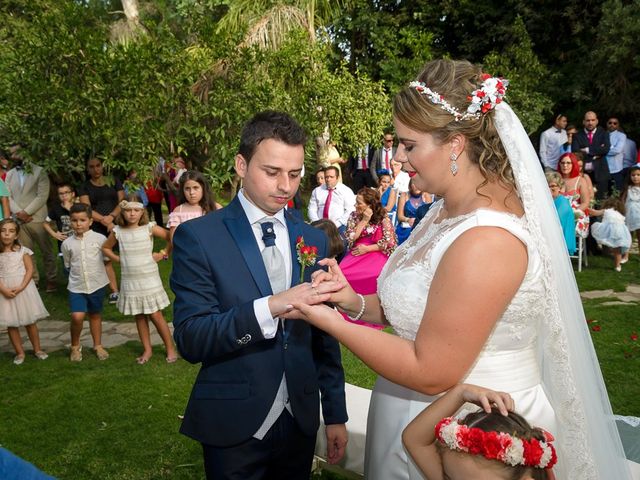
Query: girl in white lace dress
x,y
20,303
473,294
612,231
631,199
141,290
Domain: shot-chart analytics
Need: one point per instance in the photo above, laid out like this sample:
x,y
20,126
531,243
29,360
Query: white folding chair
x,y
581,253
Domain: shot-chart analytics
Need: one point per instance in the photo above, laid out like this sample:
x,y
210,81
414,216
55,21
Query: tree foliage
x,y
187,85
73,94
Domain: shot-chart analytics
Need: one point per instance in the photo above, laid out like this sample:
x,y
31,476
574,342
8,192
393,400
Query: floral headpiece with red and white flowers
x,y
499,446
482,99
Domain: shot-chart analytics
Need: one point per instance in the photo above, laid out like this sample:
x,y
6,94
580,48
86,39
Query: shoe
x,y
76,354
113,298
624,260
101,353
173,359
618,268
51,287
41,355
142,360
18,360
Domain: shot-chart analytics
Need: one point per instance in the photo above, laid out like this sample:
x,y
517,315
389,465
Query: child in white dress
x,y
631,199
141,291
20,302
612,231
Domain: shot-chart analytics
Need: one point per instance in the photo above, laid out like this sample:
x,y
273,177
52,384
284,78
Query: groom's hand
x,y
281,303
337,438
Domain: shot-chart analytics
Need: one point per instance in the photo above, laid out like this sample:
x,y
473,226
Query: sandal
x,y
101,353
18,359
172,359
41,355
76,353
142,360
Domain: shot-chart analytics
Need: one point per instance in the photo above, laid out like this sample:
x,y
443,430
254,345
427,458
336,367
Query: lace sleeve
x,y
350,232
388,242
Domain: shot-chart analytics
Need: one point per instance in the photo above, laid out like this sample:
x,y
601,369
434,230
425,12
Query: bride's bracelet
x,y
362,307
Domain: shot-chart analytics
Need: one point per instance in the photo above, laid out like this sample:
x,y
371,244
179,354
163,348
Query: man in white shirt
x,y
615,157
332,200
551,141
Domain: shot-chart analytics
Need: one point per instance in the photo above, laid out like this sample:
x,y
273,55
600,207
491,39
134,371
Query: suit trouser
x,y
362,178
34,232
285,453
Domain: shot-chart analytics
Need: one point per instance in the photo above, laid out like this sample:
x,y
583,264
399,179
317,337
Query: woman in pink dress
x,y
372,239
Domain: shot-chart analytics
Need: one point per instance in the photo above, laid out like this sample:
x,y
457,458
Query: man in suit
x,y
28,186
593,141
359,169
255,403
382,156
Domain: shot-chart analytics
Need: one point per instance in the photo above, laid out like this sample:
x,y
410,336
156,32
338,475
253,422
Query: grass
x,y
117,420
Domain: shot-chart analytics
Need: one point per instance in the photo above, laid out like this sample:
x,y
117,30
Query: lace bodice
x,y
404,283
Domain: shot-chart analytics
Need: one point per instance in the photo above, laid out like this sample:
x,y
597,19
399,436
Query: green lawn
x,y
117,420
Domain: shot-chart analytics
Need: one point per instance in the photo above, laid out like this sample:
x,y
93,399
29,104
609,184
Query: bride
x,y
474,293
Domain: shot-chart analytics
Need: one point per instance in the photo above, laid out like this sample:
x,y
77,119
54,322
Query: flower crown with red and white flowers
x,y
482,99
499,446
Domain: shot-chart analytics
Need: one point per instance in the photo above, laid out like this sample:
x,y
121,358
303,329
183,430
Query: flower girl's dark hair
x,y
16,242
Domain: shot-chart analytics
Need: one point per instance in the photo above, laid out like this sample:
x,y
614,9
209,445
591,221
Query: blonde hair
x,y
554,177
455,80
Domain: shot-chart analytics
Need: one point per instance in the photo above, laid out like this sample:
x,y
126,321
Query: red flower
x,y
596,328
485,76
475,441
480,94
492,445
634,337
306,255
532,452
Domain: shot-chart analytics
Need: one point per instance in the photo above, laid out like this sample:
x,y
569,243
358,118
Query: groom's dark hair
x,y
270,124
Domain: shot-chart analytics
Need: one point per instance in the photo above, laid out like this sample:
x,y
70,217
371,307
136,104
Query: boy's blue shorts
x,y
87,302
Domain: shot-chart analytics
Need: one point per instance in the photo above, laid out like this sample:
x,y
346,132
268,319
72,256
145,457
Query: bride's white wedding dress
x,y
507,361
540,351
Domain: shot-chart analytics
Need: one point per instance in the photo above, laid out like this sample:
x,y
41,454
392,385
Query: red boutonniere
x,y
307,255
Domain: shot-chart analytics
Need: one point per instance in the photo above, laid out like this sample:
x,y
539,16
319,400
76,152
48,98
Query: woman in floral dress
x,y
576,190
372,239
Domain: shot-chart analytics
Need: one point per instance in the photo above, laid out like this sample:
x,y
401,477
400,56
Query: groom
x,y
255,403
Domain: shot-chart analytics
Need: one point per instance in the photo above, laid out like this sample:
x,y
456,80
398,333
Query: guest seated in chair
x,y
565,212
408,206
371,239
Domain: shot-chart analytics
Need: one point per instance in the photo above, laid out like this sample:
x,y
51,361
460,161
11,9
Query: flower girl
x,y
141,292
612,230
494,442
20,303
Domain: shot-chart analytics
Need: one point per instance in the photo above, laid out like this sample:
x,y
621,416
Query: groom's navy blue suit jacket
x,y
217,274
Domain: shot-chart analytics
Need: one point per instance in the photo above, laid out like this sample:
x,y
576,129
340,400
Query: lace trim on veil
x,y
589,449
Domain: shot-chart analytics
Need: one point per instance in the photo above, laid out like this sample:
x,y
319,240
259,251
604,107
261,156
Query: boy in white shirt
x,y
82,256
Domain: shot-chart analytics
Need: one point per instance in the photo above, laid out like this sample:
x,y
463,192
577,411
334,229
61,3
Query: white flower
x,y
514,455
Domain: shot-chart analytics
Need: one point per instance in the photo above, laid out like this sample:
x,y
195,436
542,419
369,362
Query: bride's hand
x,y
334,282
485,398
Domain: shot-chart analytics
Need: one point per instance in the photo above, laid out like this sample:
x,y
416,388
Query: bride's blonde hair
x,y
454,80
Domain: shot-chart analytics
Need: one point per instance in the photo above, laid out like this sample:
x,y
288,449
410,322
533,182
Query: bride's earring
x,y
453,166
